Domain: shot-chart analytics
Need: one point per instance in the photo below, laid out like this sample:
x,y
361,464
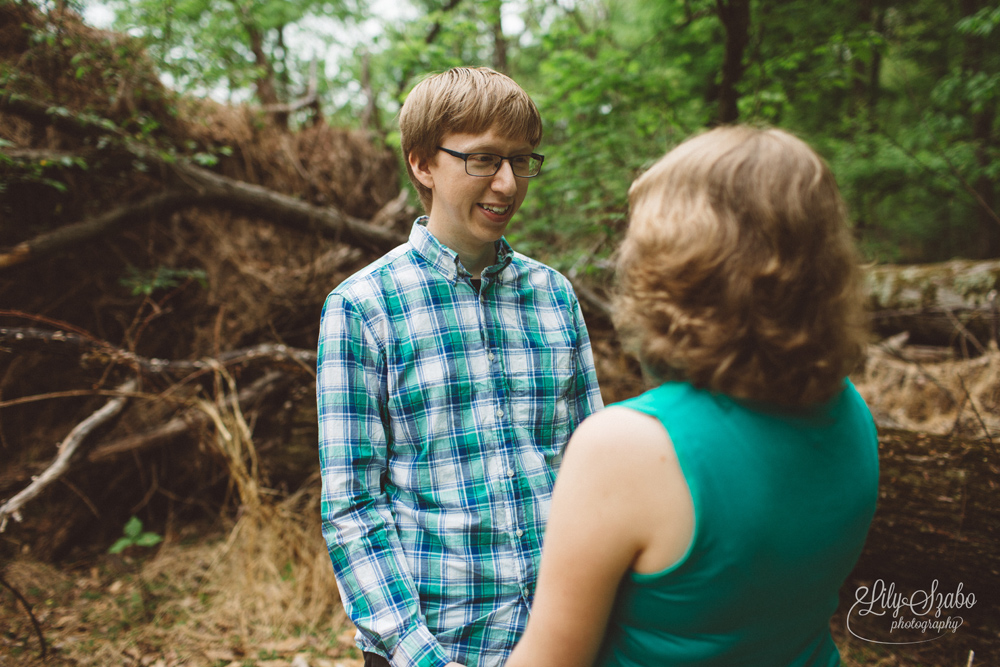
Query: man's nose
x,y
503,180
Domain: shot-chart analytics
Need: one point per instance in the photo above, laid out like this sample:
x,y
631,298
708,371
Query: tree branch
x,y
309,99
89,229
211,189
67,450
27,337
71,446
34,621
282,209
183,423
404,81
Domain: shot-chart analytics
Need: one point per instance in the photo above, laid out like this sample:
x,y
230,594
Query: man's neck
x,y
476,265
474,257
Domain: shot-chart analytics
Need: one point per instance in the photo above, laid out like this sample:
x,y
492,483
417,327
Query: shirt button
x,y
499,413
492,356
510,472
519,532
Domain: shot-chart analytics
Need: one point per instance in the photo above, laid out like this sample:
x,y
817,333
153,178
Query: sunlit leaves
x,y
206,45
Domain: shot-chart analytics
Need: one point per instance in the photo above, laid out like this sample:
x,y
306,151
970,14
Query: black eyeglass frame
x,y
465,158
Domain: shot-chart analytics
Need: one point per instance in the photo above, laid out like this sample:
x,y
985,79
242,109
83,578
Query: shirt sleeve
x,y
375,584
587,393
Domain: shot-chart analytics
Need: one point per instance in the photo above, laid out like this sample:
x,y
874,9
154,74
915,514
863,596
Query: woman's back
x,y
782,504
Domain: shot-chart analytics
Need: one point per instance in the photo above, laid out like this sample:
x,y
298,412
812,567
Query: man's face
x,y
470,213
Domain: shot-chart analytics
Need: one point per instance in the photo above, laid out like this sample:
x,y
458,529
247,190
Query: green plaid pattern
x,y
443,414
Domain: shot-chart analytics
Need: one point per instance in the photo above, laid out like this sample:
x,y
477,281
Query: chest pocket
x,y
540,383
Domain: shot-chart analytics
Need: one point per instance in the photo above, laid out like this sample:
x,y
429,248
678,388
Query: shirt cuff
x,y
419,648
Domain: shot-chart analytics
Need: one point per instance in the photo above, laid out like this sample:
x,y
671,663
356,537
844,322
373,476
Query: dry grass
x,y
261,593
264,595
944,398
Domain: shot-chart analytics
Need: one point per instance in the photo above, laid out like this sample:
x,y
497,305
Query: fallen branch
x,y
40,154
71,236
68,448
260,202
104,352
183,423
210,188
31,615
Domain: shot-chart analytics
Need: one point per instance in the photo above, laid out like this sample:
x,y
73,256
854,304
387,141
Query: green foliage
x,y
45,171
981,24
612,102
145,282
900,97
134,536
209,45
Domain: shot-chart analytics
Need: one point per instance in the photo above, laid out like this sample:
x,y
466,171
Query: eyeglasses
x,y
488,164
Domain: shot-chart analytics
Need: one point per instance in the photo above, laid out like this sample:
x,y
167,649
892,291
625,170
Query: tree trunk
x,y
875,70
938,304
866,87
949,303
735,17
267,92
408,71
499,41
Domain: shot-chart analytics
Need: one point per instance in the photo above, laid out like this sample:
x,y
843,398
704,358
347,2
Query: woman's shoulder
x,y
620,437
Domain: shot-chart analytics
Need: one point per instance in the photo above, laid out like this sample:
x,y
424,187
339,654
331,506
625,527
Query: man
x,y
451,373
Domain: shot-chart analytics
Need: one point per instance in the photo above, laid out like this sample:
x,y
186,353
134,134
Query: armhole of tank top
x,y
646,577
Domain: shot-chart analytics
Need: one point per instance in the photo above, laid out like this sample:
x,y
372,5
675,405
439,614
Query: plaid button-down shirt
x,y
443,414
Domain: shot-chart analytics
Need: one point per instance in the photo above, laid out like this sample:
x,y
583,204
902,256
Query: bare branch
x,y
67,450
72,235
590,298
39,154
183,423
110,354
212,188
70,448
34,621
310,99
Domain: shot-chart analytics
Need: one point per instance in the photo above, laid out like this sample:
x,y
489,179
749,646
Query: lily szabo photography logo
x,y
881,614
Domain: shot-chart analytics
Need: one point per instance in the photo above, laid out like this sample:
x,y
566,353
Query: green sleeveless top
x,y
782,505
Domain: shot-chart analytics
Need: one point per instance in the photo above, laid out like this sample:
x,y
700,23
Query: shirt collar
x,y
446,260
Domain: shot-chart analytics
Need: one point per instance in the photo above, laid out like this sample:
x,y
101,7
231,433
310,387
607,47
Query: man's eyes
x,y
483,158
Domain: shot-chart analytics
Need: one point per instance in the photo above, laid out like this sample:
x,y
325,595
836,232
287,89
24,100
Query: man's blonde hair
x,y
738,272
469,100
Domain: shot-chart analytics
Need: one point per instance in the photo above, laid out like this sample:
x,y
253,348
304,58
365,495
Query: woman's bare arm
x,y
620,503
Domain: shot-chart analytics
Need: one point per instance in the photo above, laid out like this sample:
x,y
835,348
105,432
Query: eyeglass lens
x,y
487,164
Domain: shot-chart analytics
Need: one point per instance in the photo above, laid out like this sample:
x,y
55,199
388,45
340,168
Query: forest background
x,y
181,187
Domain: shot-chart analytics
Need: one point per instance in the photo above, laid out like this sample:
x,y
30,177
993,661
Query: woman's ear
x,y
421,170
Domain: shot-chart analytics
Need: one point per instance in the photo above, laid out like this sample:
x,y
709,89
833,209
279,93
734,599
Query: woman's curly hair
x,y
738,272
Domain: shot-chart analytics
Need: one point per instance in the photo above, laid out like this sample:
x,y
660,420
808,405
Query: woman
x,y
713,519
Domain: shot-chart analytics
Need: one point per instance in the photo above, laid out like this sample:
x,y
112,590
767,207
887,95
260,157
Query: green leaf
x,y
120,545
148,540
133,527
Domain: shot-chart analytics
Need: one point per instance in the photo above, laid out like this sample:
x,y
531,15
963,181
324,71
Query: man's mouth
x,y
495,209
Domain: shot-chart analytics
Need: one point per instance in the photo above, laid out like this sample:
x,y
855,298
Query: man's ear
x,y
421,170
